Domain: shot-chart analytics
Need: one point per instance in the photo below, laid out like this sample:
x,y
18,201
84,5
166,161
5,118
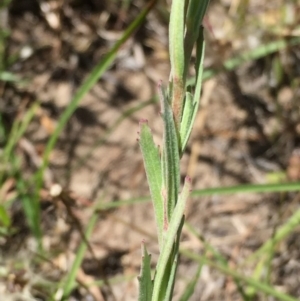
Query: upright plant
x,y
179,105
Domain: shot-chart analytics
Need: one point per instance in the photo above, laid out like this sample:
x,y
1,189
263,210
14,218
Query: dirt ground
x,y
247,131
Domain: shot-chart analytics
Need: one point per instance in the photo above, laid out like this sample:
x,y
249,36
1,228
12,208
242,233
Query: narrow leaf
x,y
145,281
174,226
186,120
70,282
174,264
154,175
170,164
4,217
195,13
258,285
19,128
189,290
200,49
198,85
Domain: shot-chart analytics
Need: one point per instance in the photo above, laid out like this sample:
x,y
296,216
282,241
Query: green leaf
x,y
281,233
196,99
189,290
253,188
19,129
200,49
85,87
154,175
195,13
9,77
170,158
174,264
187,115
70,282
31,210
4,217
172,233
145,281
258,285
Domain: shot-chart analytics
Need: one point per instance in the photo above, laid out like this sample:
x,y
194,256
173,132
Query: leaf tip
x,y
188,181
159,84
143,121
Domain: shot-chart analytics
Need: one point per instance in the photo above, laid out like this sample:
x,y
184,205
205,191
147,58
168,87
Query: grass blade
x,y
71,276
249,188
255,54
259,286
279,235
125,115
31,210
174,265
5,219
154,174
91,80
19,129
189,290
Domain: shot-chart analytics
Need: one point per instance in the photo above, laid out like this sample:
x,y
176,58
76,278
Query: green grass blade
x,y
195,13
279,235
255,54
71,276
259,286
91,80
152,165
255,188
2,129
174,225
126,114
19,128
4,216
6,76
31,210
208,247
258,272
189,290
174,265
218,256
4,3
249,188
